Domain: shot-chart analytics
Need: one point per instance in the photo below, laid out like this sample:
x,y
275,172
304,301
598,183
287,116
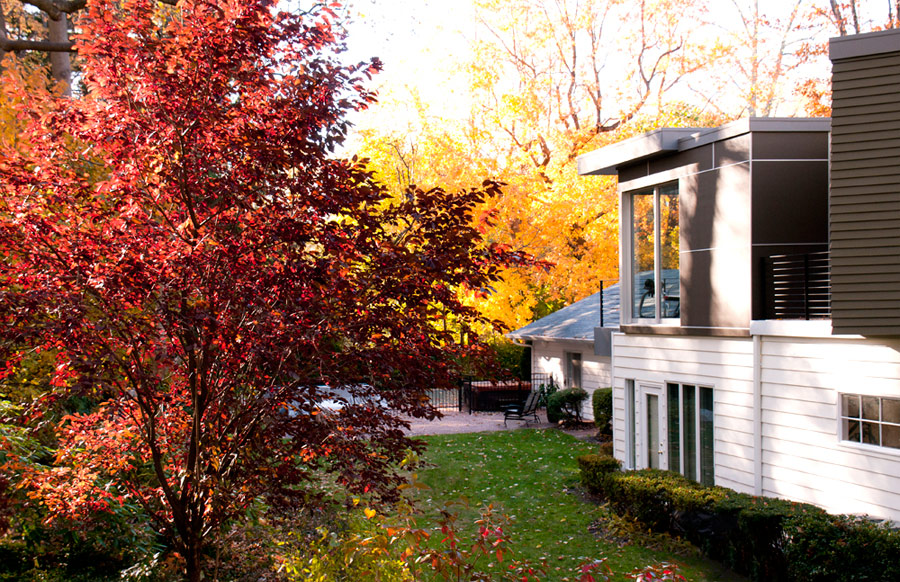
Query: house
x,y
572,345
758,346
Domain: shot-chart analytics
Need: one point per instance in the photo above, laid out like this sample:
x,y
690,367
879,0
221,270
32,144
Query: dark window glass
x,y
890,436
890,410
707,438
674,429
850,405
870,408
690,432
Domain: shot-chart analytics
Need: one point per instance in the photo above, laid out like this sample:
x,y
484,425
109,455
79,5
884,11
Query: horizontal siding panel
x,y
739,426
860,84
792,457
861,351
702,357
735,449
802,391
888,143
717,345
738,462
868,213
780,439
851,119
740,483
880,222
863,66
880,95
838,496
787,406
849,168
883,131
815,424
849,254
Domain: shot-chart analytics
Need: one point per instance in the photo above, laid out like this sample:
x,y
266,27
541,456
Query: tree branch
x,y
13,45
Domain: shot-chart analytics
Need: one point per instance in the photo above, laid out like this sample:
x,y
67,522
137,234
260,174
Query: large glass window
x,y
690,429
870,420
655,286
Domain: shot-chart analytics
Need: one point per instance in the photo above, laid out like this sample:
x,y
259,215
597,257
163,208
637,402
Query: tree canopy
x,y
195,264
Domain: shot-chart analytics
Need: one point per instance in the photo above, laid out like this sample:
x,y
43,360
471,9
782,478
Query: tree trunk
x,y
60,62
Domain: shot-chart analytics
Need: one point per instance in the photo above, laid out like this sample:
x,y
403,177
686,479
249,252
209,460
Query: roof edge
x,y
605,161
864,45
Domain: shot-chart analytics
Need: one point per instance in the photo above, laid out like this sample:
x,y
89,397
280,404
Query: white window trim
x,y
886,453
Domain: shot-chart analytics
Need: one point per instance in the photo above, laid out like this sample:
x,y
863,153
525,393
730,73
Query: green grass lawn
x,y
532,476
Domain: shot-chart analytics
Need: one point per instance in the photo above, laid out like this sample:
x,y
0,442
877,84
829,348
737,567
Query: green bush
x,y
841,547
602,403
765,538
596,470
566,404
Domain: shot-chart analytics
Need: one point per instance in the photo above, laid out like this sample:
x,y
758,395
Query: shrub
x,y
595,470
766,538
602,402
841,547
566,404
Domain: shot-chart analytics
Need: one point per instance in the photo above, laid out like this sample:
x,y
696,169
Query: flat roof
x,y
863,45
606,160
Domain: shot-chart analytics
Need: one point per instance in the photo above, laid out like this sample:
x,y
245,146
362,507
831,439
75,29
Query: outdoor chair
x,y
524,411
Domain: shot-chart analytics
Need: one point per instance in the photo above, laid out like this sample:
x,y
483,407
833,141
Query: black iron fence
x,y
797,286
493,395
446,399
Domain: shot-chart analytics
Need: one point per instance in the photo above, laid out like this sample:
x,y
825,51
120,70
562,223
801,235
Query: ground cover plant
x,y
532,476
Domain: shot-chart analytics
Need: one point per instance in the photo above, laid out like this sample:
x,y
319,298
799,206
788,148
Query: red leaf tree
x,y
184,245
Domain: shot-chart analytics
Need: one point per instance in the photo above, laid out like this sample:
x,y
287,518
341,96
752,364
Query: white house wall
x,y
724,364
800,379
548,357
803,455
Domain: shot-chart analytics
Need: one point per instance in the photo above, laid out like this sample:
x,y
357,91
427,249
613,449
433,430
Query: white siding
x,y
724,364
803,456
596,371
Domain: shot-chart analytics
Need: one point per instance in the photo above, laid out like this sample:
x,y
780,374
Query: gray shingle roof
x,y
577,321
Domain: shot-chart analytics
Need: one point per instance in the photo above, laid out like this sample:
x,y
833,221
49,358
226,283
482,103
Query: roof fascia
x,y
863,45
606,161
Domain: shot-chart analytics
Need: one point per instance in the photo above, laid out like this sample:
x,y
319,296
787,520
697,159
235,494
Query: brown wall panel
x,y
701,156
790,146
732,151
790,202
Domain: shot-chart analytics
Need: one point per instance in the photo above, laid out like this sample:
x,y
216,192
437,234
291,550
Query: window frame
x,y
628,254
842,423
697,463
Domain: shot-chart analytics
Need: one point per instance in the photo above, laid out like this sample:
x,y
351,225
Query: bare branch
x,y
12,45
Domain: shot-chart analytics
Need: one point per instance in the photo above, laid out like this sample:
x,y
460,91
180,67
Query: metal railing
x,y
493,395
797,286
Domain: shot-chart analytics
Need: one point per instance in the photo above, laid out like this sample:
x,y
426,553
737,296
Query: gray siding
x,y
865,195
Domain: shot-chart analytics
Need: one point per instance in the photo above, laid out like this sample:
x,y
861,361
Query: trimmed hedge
x,y
602,403
566,404
764,538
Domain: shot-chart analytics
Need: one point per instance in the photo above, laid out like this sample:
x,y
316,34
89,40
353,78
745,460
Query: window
x,y
690,431
573,370
870,420
655,288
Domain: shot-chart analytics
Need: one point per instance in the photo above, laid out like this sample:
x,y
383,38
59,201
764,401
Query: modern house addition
x,y
758,346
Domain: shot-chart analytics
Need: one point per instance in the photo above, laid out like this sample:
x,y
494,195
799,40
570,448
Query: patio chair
x,y
525,411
